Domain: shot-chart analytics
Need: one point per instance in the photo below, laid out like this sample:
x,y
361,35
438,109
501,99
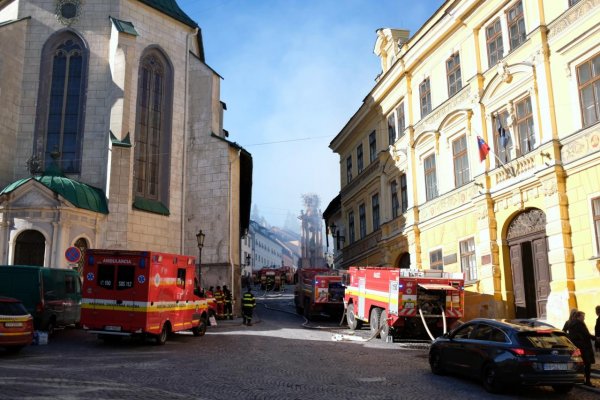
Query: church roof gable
x,y
171,8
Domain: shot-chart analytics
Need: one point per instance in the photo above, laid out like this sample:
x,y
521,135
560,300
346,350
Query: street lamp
x,y
247,275
200,238
335,233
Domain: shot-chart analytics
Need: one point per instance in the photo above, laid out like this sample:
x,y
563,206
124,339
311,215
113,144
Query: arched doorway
x,y
531,277
81,244
30,248
404,261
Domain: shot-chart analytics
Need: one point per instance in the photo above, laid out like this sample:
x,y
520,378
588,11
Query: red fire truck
x,y
139,293
319,290
403,303
272,278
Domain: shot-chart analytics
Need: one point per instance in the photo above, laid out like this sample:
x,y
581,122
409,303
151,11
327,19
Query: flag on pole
x,y
484,149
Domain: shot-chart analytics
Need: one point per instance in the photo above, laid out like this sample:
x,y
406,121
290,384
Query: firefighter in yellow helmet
x,y
248,304
219,297
227,301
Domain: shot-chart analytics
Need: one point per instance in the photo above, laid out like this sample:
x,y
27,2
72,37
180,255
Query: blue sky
x,y
294,72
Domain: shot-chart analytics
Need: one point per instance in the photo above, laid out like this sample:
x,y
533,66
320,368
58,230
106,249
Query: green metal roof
x,y
126,142
171,8
79,194
152,206
124,26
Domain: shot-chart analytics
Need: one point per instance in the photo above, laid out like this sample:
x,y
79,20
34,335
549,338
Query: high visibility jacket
x,y
248,300
227,296
219,296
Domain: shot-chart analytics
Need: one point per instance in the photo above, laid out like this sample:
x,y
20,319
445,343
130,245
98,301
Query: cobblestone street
x,y
276,358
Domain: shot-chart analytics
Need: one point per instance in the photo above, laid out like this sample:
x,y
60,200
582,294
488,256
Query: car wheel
x,y
50,327
14,349
562,388
162,337
307,309
435,362
490,379
351,318
200,330
374,321
385,328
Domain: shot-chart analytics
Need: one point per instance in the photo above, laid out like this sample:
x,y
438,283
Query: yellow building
x,y
522,222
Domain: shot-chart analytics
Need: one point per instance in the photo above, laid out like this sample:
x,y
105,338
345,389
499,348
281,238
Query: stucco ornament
x,y
68,11
502,70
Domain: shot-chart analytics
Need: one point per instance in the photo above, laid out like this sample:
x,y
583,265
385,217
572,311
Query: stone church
x,y
111,136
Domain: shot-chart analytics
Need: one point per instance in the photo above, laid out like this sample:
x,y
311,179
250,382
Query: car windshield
x,y
544,340
11,308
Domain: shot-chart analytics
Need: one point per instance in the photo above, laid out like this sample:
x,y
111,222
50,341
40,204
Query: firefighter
x,y
248,304
219,299
228,309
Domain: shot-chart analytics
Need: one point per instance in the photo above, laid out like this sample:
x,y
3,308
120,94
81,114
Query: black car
x,y
507,353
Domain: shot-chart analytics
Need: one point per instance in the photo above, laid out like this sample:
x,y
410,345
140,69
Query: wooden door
x,y
518,282
542,275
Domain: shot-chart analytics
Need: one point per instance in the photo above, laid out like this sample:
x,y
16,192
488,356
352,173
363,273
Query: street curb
x,y
588,388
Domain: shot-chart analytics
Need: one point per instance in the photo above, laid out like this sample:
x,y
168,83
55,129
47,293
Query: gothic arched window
x,y
153,125
61,102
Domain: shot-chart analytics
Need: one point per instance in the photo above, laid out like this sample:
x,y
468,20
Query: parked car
x,y
533,322
16,325
51,295
504,354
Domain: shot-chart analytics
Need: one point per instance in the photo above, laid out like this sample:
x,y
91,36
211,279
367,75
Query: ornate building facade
x,y
477,150
112,136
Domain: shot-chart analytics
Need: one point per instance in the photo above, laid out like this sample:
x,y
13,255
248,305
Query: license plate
x,y
112,328
556,367
13,324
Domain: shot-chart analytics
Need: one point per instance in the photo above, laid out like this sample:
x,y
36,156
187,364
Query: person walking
x,y
227,299
570,320
219,299
582,338
597,329
248,304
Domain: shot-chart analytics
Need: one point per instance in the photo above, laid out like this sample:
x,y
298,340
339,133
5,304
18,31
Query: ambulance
x,y
141,293
403,303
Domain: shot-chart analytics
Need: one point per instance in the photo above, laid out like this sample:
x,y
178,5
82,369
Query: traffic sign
x,y
73,254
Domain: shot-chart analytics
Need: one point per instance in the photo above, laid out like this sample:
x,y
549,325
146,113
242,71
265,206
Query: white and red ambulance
x,y
139,293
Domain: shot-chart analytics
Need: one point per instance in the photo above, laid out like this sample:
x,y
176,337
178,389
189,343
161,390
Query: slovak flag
x,y
484,149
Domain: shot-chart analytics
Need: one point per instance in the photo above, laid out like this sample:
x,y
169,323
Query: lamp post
x,y
247,277
200,238
335,233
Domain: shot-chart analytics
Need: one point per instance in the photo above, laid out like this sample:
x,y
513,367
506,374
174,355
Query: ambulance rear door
x,y
116,291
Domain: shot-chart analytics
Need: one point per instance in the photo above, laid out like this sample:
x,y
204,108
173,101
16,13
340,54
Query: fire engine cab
x,y
401,302
127,293
319,290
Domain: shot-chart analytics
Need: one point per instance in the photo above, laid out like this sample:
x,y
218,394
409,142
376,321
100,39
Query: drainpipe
x,y
231,261
185,141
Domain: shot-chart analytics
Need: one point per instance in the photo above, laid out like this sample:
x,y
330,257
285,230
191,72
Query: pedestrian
x,y
228,308
582,338
570,320
248,304
219,299
597,329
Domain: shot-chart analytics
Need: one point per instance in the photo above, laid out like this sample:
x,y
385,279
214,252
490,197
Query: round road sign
x,y
73,254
